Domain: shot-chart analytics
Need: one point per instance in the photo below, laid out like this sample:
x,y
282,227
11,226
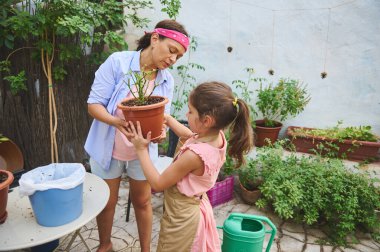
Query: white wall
x,y
351,91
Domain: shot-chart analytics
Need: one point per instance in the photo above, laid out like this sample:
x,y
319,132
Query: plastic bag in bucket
x,y
55,192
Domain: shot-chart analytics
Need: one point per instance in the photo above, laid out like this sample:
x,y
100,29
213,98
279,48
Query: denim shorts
x,y
117,167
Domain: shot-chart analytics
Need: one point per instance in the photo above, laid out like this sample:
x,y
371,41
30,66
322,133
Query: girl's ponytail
x,y
241,133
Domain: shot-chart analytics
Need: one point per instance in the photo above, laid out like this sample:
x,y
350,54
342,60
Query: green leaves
x,y
141,82
60,30
286,99
314,189
171,7
17,82
360,133
245,92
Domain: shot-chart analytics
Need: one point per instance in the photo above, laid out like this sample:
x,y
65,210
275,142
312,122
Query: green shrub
x,y
250,175
283,100
315,190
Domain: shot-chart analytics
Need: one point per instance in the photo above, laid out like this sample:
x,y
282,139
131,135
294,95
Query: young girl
x,y
188,223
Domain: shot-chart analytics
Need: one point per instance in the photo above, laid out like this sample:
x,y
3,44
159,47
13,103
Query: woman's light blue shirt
x,y
108,89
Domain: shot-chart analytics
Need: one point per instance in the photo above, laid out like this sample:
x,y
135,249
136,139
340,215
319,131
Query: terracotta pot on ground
x,y
151,117
6,178
11,158
249,197
354,150
263,132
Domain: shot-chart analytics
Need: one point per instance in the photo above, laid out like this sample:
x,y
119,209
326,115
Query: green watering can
x,y
245,233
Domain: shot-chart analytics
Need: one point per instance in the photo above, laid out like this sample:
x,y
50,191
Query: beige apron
x,y
179,222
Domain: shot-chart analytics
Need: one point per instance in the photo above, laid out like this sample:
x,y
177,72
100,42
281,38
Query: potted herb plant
x,y
143,106
355,143
249,180
276,103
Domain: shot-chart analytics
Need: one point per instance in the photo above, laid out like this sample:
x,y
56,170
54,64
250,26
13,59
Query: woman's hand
x,y
120,124
136,137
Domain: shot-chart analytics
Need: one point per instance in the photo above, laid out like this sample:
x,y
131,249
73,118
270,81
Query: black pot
x,y
173,140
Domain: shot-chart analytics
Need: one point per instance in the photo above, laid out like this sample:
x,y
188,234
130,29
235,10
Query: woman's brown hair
x,y
169,24
217,100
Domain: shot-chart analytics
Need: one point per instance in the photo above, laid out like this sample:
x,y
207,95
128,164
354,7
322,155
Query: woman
x,y
110,151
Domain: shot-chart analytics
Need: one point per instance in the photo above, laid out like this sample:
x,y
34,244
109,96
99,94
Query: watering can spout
x,y
246,233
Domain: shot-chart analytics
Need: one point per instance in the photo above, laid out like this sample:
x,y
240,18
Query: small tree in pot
x,y
276,103
144,107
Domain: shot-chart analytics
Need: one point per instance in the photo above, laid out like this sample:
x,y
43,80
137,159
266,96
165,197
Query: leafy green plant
x,y
171,7
17,82
278,102
139,79
316,190
188,81
360,133
245,91
250,175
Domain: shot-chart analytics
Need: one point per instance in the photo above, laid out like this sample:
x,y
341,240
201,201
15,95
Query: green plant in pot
x,y
143,106
276,103
250,179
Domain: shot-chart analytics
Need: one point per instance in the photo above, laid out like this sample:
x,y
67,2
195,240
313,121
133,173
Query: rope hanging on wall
x,y
229,48
271,71
324,73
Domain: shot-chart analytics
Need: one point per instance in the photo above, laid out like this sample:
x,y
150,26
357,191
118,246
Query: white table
x,y
21,230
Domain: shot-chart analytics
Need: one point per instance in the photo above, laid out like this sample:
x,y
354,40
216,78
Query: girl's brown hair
x,y
217,100
169,24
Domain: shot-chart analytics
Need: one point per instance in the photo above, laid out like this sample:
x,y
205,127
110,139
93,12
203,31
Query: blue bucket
x,y
55,207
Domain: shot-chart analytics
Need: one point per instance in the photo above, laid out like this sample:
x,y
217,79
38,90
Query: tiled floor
x,y
289,238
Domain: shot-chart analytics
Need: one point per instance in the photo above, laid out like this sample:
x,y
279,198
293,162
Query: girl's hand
x,y
136,137
162,137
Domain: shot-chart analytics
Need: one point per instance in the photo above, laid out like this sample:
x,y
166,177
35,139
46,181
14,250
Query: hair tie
x,y
234,102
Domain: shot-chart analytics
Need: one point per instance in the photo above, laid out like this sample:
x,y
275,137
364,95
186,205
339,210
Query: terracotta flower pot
x,y
11,158
151,117
354,150
249,197
4,187
263,132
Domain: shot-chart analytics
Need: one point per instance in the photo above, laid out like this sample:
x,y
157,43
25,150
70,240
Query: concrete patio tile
x,y
369,243
329,249
289,244
297,236
240,208
312,248
316,233
362,247
292,227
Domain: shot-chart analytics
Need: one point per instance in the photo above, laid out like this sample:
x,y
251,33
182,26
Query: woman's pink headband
x,y
177,36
